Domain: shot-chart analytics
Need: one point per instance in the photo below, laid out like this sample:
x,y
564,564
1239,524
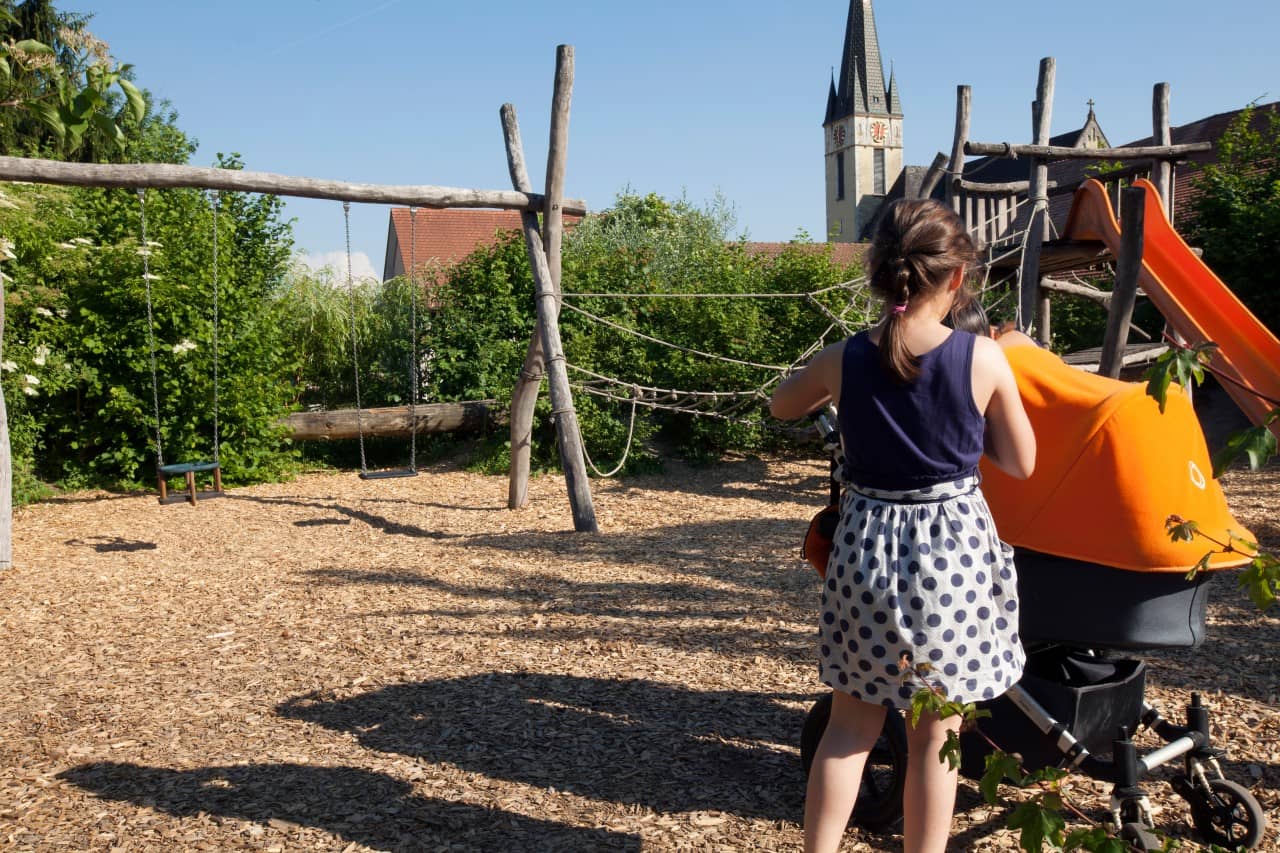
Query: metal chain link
x,y
151,326
355,350
413,341
217,199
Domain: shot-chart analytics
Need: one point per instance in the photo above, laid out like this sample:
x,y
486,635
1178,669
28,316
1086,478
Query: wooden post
x,y
1044,320
571,456
1162,170
963,101
6,491
1038,196
465,416
6,468
1125,292
931,177
524,397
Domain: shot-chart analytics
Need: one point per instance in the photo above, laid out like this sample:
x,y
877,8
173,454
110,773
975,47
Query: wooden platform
x,y
1062,255
1135,355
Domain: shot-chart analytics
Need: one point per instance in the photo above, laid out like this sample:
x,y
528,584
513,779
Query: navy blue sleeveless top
x,y
908,436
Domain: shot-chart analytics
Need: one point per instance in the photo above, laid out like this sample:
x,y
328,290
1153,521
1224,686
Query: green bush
x,y
1236,215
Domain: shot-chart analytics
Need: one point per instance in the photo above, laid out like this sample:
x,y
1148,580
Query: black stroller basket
x,y
1067,626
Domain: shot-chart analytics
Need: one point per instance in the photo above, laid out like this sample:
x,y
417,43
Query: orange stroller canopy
x,y
1110,468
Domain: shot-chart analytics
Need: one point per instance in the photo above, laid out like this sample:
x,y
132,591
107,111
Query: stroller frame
x,y
1223,812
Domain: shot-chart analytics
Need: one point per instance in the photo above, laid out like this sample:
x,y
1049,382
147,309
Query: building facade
x,y
862,131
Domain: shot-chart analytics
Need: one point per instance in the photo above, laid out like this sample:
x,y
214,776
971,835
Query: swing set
x,y
412,469
188,470
542,241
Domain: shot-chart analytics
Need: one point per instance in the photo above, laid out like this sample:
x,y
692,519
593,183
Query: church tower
x,y
862,131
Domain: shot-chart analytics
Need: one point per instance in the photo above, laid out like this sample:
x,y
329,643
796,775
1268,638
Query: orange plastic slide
x,y
1194,301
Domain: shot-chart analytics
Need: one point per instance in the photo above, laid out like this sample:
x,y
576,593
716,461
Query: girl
x,y
919,588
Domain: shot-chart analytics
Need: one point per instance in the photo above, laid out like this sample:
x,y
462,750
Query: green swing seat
x,y
188,468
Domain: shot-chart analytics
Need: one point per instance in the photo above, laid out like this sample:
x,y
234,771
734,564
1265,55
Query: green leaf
x,y
47,114
1257,443
1262,578
137,102
999,766
1158,380
1179,530
950,751
1201,565
1038,825
35,48
1094,839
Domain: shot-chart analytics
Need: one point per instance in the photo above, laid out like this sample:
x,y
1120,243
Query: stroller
x,y
1112,468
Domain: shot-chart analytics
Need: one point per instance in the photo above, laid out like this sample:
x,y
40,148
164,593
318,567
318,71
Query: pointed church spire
x,y
895,104
833,101
862,86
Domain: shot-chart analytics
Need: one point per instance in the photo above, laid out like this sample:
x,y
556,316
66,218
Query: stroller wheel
x,y
1140,837
1228,815
879,804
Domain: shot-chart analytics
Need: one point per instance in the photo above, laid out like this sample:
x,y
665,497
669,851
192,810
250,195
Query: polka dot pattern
x,y
911,585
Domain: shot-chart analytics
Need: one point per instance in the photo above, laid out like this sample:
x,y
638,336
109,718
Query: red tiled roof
x,y
443,237
842,254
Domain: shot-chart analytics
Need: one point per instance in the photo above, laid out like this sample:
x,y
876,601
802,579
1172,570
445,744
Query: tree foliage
x,y
1236,216
61,93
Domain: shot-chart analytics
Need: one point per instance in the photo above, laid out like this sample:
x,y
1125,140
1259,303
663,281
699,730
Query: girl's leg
x,y
929,797
837,770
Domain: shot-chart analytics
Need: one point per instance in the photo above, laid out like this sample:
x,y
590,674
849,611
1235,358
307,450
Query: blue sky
x,y
688,98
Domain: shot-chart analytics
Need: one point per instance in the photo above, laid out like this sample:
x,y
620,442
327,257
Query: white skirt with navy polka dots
x,y
920,591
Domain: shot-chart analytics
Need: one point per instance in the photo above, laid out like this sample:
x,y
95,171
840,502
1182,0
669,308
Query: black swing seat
x,y
188,468
389,474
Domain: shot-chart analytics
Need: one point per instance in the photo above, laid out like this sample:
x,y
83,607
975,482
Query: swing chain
x,y
413,340
217,199
355,350
151,334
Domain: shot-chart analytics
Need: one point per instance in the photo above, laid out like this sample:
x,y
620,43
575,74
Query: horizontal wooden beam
x,y
1062,152
1102,297
394,421
996,189
165,176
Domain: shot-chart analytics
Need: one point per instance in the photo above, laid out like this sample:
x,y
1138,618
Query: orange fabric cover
x,y
1110,468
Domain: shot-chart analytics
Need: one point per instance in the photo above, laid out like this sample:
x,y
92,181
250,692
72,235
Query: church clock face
x,y
837,134
879,132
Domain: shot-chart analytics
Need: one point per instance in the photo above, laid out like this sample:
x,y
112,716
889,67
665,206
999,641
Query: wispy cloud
x,y
303,39
361,266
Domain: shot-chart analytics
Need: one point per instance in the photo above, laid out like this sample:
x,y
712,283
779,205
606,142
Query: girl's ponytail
x,y
917,247
893,346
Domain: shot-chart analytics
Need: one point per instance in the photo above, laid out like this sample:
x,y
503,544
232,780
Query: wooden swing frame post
x,y
544,259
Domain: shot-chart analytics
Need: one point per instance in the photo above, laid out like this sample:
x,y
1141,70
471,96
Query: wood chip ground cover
x,y
334,664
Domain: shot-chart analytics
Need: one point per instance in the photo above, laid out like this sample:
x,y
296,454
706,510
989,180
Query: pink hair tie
x,y
900,308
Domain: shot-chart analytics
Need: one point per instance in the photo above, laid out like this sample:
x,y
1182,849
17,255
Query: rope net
x,y
843,308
